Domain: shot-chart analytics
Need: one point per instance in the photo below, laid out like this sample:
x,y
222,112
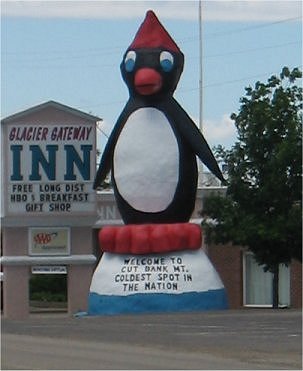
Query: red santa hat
x,y
152,34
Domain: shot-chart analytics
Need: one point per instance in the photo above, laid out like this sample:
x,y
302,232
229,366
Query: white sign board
x,y
49,241
49,269
50,168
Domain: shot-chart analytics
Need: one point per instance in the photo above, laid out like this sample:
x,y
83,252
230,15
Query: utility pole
x,y
200,165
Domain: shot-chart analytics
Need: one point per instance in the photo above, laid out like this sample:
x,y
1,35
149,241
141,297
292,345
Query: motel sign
x,y
50,161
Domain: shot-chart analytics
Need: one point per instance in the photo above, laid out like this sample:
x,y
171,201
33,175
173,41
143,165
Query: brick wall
x,y
227,260
296,284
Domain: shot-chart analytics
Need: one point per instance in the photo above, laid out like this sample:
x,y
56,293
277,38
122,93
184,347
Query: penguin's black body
x,y
163,188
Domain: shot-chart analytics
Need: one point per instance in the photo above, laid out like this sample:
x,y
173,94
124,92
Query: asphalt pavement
x,y
229,340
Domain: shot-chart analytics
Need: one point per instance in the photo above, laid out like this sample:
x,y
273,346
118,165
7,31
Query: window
x,y
258,284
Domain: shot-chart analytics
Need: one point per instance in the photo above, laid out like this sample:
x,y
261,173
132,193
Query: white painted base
x,y
177,281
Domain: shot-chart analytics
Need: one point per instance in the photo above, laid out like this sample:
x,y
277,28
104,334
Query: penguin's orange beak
x,y
147,81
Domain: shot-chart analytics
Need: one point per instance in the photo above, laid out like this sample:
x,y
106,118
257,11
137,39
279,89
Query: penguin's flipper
x,y
197,142
104,165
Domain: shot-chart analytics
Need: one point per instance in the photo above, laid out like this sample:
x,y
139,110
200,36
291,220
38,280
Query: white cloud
x,y
256,10
222,131
219,131
98,9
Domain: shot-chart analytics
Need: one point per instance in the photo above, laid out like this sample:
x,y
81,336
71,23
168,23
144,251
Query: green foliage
x,y
48,287
263,205
47,296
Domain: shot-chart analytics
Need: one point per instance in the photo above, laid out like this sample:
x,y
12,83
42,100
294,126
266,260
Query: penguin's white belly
x,y
146,161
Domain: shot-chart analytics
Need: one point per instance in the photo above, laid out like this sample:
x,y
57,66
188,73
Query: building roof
x,y
50,104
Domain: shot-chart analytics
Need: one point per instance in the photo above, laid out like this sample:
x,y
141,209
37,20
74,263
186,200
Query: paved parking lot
x,y
244,339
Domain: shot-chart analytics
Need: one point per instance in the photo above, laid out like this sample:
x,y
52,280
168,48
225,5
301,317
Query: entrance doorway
x,y
48,289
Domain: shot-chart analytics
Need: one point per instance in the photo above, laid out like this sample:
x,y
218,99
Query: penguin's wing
x,y
196,140
106,159
105,163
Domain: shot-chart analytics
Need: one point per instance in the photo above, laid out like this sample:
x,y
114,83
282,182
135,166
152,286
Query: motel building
x,y
50,216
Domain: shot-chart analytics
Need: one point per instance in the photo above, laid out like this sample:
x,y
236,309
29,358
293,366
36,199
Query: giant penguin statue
x,y
154,263
153,146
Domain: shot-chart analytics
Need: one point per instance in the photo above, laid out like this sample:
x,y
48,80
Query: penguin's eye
x,y
130,60
166,61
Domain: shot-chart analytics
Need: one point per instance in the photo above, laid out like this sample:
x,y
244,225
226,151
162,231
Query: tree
x,y
263,205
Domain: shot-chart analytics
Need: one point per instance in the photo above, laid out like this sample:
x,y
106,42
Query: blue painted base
x,y
152,303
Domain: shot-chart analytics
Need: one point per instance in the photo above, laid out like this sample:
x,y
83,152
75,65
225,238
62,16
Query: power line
x,y
107,50
227,82
249,28
243,51
185,90
252,50
102,131
117,49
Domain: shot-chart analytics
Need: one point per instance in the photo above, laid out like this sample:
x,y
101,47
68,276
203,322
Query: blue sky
x,y
70,52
